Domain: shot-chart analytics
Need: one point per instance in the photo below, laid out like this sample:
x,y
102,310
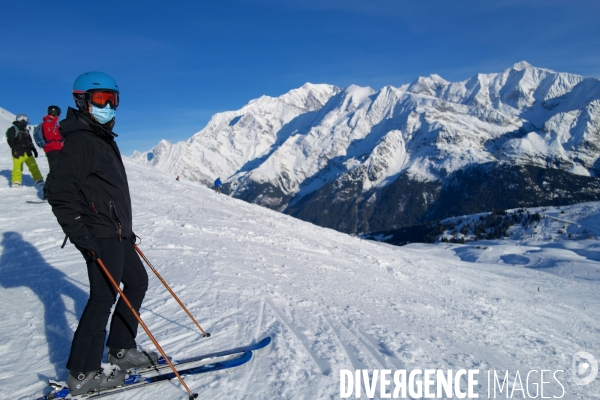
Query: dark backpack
x,y
38,136
16,128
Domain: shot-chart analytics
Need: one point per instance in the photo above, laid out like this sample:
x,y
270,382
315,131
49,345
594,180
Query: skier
x,y
218,184
22,148
52,136
89,195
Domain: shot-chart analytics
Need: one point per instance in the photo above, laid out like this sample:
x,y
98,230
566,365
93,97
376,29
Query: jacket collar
x,y
78,121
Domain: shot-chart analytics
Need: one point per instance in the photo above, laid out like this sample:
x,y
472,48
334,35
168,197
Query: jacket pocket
x,y
89,196
113,213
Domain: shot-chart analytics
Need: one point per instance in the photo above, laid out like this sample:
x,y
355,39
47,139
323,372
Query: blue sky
x,y
178,63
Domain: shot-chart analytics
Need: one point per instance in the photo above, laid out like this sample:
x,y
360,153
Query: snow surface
x,y
331,301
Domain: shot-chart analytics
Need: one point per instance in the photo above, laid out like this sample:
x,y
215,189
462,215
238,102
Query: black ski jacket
x,y
19,141
88,189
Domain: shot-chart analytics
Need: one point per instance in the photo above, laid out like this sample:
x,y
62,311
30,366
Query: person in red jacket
x,y
52,136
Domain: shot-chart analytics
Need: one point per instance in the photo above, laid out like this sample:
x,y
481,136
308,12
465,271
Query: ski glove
x,y
86,243
35,153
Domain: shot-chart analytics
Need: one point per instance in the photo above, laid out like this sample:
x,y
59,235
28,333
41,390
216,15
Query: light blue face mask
x,y
103,115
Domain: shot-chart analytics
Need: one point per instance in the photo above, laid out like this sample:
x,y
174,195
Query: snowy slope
x,y
6,119
575,222
331,301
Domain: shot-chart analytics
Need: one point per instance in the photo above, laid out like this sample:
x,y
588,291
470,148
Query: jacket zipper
x,y
114,214
91,196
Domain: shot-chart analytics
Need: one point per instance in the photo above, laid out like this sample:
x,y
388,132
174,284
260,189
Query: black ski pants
x,y
52,160
52,163
124,264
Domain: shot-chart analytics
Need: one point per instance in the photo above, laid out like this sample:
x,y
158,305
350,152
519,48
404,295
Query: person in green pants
x,y
23,151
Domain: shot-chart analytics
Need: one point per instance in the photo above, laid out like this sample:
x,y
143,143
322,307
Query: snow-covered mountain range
x,y
359,160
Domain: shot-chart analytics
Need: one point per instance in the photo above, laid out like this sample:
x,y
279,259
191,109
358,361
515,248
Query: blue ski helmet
x,y
91,81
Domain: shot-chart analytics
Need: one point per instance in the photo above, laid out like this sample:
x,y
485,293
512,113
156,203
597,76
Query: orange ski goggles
x,y
100,98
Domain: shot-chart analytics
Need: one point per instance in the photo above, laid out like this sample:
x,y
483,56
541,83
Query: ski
x,y
138,381
36,202
162,373
179,363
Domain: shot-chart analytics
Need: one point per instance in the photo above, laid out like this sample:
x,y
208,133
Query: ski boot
x,y
84,382
127,359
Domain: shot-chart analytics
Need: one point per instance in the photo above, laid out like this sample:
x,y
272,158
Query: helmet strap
x,y
83,106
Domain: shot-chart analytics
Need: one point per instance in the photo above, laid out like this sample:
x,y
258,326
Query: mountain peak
x,y
429,85
521,65
310,86
438,79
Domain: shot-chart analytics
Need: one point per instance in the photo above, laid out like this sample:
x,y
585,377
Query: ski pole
x,y
204,334
135,314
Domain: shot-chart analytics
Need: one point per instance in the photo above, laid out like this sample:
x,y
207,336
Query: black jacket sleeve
x,y
65,185
10,137
30,140
31,145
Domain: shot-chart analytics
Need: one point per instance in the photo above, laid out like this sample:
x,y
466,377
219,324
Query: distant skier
x,y
218,185
23,151
52,136
177,178
89,195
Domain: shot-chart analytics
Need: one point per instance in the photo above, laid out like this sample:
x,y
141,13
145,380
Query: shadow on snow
x,y
21,265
